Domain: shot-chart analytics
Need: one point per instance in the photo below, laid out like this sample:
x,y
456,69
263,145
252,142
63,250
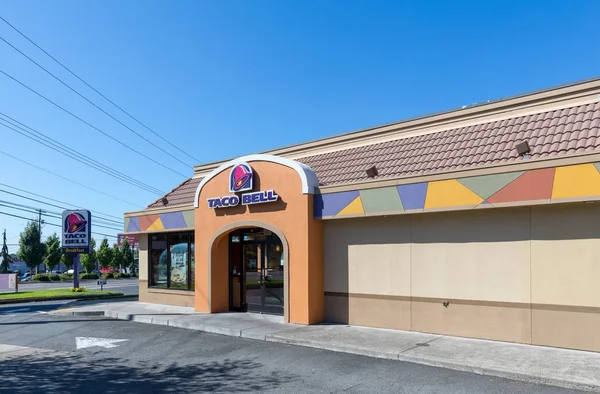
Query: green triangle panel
x,y
487,185
189,218
126,226
384,199
597,165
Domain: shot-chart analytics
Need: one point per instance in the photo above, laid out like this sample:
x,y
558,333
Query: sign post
x,y
76,237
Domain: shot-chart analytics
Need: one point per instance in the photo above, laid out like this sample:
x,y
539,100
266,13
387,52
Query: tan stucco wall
x,y
525,274
143,257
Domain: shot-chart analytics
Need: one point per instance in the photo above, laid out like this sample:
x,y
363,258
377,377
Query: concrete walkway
x,y
560,367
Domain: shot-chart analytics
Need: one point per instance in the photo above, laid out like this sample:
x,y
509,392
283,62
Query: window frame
x,y
190,240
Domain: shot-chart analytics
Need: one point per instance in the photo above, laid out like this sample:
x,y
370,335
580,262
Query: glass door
x,y
272,278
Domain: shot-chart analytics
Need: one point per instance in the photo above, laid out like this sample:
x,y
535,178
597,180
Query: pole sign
x,y
241,179
77,232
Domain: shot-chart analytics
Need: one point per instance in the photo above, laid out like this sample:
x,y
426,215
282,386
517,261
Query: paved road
x,y
161,359
125,286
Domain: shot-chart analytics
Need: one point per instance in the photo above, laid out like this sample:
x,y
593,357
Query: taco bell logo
x,y
241,178
76,234
75,223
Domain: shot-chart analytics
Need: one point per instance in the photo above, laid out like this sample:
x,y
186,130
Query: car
x,y
71,271
58,272
96,272
26,276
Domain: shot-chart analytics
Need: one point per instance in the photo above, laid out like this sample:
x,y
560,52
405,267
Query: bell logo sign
x,y
241,178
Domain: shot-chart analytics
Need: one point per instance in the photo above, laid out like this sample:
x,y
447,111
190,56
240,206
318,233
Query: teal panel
x,y
384,199
126,226
487,185
597,165
189,218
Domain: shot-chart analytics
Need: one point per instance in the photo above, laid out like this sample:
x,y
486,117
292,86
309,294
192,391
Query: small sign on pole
x,y
76,237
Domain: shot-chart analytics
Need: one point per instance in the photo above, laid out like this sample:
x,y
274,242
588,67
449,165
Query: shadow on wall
x,y
80,374
357,244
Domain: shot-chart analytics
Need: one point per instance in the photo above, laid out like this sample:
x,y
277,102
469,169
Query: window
x,y
172,260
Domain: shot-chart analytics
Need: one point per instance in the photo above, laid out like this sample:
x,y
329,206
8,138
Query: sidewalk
x,y
560,367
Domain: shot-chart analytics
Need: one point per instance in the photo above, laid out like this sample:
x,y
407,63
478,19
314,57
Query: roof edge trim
x,y
307,175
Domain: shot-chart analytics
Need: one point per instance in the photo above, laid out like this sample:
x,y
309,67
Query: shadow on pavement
x,y
57,373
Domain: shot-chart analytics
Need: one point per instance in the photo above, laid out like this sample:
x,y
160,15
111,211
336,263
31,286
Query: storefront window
x,y
172,260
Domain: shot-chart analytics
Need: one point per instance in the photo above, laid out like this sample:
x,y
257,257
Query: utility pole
x,y
40,231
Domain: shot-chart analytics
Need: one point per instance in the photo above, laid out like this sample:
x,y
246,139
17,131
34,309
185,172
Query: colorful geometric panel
x,y
126,224
487,185
133,225
450,193
385,199
354,208
172,220
533,185
147,221
413,196
157,225
576,181
331,204
190,218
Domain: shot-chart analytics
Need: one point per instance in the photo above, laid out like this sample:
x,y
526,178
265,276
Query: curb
x,y
62,298
274,338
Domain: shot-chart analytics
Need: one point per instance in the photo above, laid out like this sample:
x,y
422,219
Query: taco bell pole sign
x,y
77,232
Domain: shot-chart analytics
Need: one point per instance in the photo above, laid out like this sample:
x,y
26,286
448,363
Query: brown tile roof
x,y
552,133
181,195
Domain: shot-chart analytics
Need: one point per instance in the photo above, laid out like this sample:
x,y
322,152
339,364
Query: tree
x,y
31,248
53,252
105,254
67,260
89,260
128,258
5,258
117,258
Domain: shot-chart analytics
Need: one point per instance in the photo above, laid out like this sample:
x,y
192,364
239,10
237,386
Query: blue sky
x,y
226,78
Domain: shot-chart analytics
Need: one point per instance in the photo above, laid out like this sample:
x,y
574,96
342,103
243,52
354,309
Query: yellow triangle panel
x,y
576,181
157,225
450,193
354,208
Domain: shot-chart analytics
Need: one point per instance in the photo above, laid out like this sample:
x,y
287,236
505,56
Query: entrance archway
x,y
262,285
256,271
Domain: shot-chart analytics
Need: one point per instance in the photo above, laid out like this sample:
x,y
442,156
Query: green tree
x,y
53,252
128,257
89,260
67,260
5,258
105,254
31,249
117,258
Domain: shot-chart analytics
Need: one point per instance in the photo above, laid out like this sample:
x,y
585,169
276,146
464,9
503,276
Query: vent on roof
x,y
523,149
165,201
372,172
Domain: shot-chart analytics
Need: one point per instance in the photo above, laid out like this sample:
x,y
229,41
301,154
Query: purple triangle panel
x,y
173,220
413,196
331,204
134,224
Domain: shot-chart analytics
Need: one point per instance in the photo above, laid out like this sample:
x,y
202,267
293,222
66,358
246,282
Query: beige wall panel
x,y
368,311
496,321
143,258
565,254
567,327
477,255
166,297
367,255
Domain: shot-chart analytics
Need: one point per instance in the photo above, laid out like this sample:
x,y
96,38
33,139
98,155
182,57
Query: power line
x,y
95,90
51,224
58,147
89,124
92,103
67,179
51,199
50,214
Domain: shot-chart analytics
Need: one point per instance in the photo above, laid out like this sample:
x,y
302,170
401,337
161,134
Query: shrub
x,y
41,278
53,277
89,276
108,275
66,276
122,275
78,289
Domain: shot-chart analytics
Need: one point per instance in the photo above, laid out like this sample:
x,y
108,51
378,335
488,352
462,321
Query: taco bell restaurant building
x,y
481,222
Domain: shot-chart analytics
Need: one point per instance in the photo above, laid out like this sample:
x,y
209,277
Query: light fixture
x,y
165,201
277,248
372,172
523,149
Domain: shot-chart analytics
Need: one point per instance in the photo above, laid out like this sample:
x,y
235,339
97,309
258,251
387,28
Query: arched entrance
x,y
256,271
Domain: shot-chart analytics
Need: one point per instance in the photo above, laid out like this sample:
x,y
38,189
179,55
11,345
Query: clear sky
x,y
225,78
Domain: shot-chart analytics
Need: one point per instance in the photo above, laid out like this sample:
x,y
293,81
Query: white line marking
x,y
17,310
83,342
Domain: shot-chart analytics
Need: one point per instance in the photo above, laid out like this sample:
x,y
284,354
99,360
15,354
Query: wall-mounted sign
x,y
241,178
133,240
77,232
